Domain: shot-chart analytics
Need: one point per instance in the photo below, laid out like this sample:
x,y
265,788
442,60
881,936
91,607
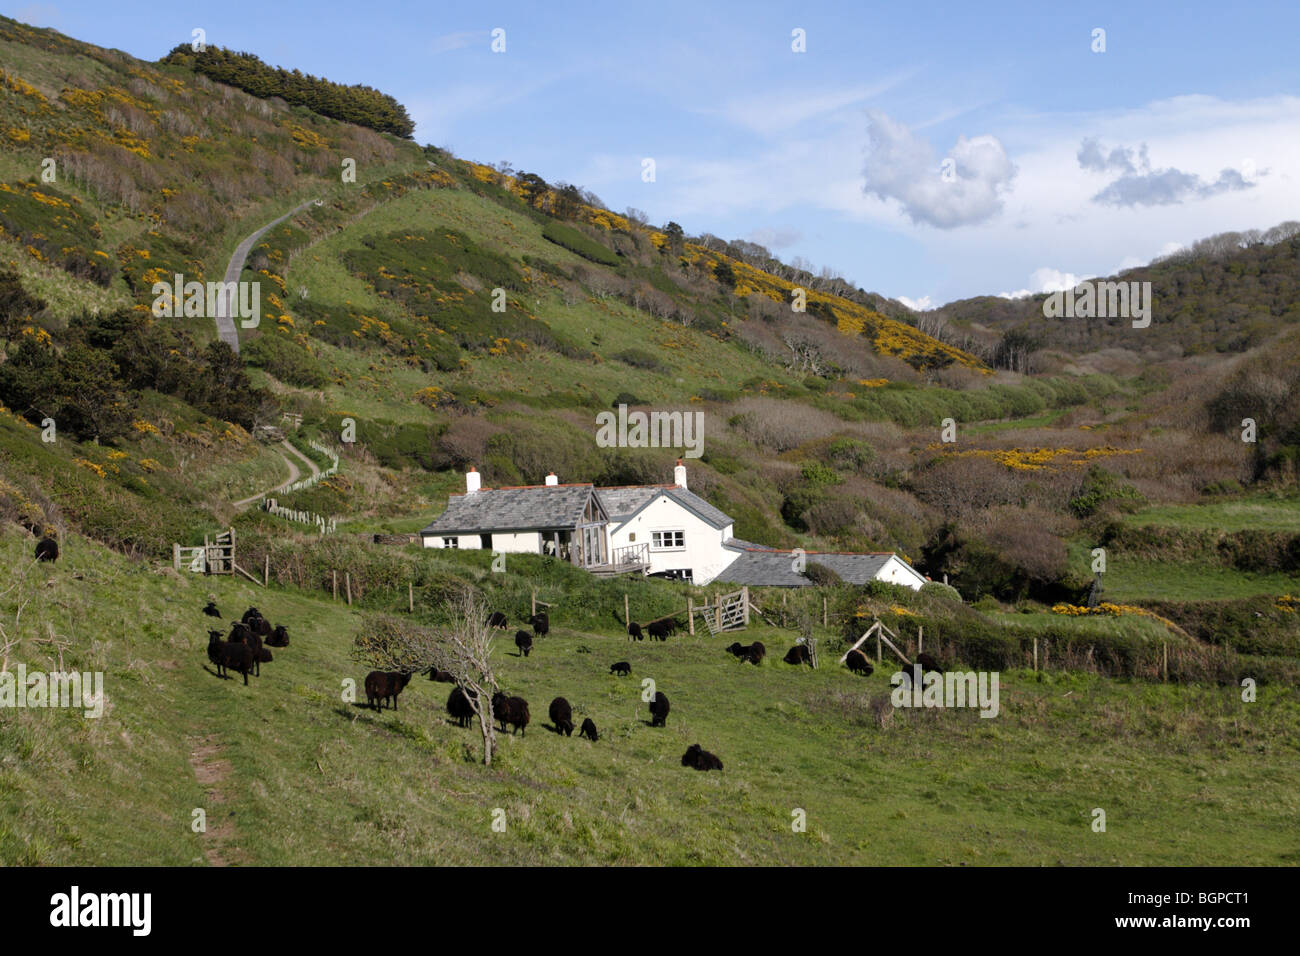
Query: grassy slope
x,y
1186,775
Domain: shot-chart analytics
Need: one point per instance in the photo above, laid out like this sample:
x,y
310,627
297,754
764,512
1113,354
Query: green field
x,y
289,773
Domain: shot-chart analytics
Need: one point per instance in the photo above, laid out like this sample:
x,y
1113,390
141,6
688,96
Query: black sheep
x,y
261,627
659,710
496,619
385,685
511,710
47,549
279,637
736,649
226,656
858,663
589,729
523,641
755,653
210,609
241,633
562,716
700,759
442,677
798,655
622,668
634,632
928,663
657,630
540,624
460,705
251,613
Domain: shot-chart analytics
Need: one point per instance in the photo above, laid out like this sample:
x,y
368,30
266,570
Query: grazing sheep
x,y
622,668
227,656
511,710
858,663
634,632
241,633
659,710
442,677
798,655
523,641
589,729
928,663
562,716
210,609
385,685
279,637
47,549
671,625
657,630
460,705
737,649
540,624
700,759
496,619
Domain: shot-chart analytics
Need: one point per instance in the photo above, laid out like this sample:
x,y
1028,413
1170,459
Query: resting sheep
x,y
622,668
523,641
460,706
442,677
589,729
227,656
928,663
798,655
210,609
496,619
562,716
511,710
858,663
754,653
279,637
251,613
385,685
634,632
700,759
659,710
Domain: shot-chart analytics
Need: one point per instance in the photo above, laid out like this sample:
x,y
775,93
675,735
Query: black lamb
x,y
622,668
589,729
523,641
700,759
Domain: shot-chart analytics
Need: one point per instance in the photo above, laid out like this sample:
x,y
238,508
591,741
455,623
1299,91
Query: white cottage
x,y
649,529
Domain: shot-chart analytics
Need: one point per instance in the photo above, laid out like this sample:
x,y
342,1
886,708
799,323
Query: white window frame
x,y
451,543
658,537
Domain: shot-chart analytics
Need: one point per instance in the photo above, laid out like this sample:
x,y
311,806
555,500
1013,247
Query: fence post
x,y
877,647
717,610
266,571
690,614
744,604
176,556
823,612
920,637
336,584
1035,655
410,597
627,615
1165,667
534,611
347,583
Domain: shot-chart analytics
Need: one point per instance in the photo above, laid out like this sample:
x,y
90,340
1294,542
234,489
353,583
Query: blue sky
x,y
1064,162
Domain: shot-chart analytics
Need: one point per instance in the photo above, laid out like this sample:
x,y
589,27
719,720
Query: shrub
x,y
576,242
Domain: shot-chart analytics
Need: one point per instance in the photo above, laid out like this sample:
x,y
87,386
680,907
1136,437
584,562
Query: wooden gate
x,y
728,612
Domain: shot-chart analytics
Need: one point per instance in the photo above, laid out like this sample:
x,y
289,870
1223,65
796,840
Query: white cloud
x,y
1046,279
902,166
916,305
457,41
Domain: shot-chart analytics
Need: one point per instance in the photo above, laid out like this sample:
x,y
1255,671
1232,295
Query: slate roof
x,y
624,502
759,566
530,508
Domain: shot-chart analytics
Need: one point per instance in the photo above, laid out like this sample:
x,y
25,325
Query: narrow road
x,y
294,474
226,329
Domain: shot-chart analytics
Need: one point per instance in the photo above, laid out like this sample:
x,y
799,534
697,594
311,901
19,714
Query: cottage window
x,y
451,542
667,540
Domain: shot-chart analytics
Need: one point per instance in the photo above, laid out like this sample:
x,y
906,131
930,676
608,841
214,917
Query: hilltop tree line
x,y
359,104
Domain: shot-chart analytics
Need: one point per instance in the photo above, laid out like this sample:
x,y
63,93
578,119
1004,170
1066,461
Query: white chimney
x,y
679,474
472,480
551,479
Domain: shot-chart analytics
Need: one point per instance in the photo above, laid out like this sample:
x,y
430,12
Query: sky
x,y
926,151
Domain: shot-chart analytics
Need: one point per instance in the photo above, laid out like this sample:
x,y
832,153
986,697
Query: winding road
x,y
294,474
226,329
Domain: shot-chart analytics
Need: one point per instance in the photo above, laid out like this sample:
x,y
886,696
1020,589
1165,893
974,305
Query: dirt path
x,y
294,474
211,772
226,330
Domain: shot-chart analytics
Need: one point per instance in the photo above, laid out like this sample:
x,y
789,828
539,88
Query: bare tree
x,y
463,648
